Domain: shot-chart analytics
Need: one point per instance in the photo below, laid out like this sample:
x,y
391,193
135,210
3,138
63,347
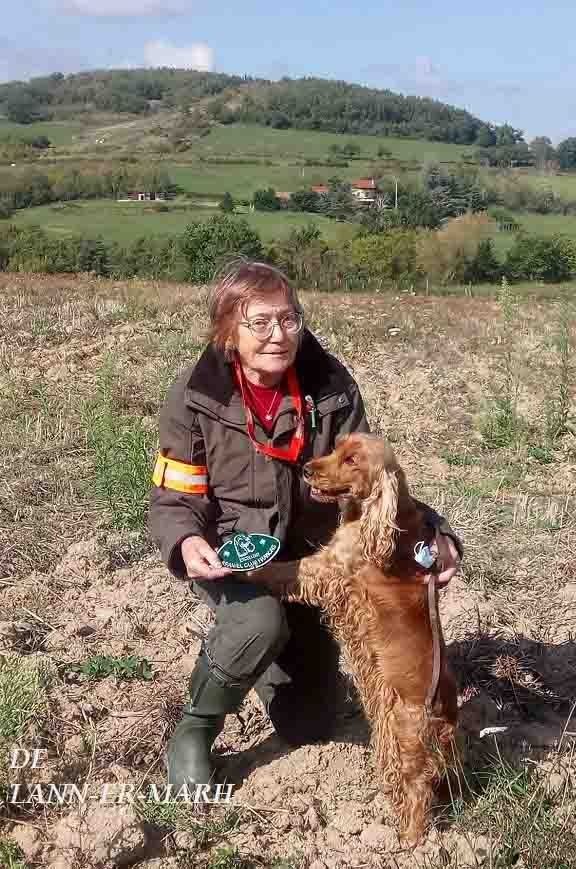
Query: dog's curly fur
x,y
375,600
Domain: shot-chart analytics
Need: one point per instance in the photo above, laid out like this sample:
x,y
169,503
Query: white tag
x,y
423,555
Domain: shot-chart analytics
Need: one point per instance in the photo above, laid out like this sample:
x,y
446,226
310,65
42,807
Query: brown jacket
x,y
203,422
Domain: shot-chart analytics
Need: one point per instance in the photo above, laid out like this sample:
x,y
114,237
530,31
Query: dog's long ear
x,y
378,528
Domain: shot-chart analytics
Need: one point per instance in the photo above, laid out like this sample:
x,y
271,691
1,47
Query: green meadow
x,y
124,222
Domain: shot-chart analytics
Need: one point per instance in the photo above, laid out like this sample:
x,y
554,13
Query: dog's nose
x,y
306,472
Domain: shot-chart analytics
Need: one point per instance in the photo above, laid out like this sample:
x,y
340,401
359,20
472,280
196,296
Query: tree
x,y
539,259
508,135
93,257
388,256
227,204
305,200
566,152
22,108
543,150
266,200
485,136
484,268
205,244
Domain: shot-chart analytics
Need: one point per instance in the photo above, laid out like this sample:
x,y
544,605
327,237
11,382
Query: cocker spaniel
x,y
375,597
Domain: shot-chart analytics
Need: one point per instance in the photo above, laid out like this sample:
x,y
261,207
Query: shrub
x,y
386,256
539,259
446,254
204,245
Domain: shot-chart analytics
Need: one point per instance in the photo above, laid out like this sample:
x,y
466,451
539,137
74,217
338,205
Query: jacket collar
x,y
212,380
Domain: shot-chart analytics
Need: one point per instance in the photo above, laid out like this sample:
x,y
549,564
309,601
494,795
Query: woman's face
x,y
265,360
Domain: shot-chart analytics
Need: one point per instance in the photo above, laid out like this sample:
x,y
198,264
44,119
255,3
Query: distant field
x,y
58,133
537,224
268,142
565,185
243,180
124,222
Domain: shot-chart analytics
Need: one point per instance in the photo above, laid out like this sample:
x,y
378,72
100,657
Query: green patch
x,y
23,685
11,856
517,812
544,455
121,451
248,551
501,425
102,666
177,816
458,459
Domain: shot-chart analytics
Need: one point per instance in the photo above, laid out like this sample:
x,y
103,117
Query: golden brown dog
x,y
374,595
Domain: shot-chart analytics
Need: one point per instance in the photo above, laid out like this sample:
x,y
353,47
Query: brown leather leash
x,y
445,558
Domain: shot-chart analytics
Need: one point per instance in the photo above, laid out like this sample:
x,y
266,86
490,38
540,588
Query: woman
x,y
235,431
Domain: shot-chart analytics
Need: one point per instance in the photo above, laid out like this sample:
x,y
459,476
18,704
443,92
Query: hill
x,y
305,103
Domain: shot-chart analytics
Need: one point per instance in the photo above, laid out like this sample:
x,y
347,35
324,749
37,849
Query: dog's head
x,y
363,468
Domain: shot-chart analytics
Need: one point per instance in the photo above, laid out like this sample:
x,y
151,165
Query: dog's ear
x,y
378,528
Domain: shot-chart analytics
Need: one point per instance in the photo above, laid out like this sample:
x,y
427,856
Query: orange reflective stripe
x,y
190,479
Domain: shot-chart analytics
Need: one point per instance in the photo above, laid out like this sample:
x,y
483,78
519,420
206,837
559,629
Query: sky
x,y
504,62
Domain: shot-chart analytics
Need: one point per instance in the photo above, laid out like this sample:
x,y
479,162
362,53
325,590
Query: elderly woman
x,y
235,431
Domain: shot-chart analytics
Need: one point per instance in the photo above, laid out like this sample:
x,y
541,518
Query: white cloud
x,y
198,55
119,8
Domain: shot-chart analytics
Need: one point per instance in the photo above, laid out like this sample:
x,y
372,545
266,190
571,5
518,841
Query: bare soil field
x,y
97,640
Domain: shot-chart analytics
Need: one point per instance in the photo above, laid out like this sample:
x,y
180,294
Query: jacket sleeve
x,y
173,515
358,421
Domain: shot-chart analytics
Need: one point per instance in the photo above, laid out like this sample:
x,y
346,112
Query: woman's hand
x,y
449,558
201,560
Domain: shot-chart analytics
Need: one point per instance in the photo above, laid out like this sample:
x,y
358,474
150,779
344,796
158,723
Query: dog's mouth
x,y
329,493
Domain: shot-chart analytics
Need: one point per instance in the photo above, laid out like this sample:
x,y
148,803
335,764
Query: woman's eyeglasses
x,y
263,327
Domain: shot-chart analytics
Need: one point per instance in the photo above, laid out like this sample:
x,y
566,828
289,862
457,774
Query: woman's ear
x,y
378,528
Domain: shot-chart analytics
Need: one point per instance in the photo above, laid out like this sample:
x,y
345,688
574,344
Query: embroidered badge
x,y
248,551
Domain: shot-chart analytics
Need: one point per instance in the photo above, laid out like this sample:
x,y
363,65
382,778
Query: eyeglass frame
x,y
272,324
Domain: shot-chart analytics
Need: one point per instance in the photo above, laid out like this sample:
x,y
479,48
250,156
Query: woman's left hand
x,y
449,558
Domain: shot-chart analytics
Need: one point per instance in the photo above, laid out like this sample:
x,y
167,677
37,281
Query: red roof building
x,y
365,190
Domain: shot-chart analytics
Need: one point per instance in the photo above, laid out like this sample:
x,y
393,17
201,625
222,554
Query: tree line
x,y
26,188
134,91
303,103
461,251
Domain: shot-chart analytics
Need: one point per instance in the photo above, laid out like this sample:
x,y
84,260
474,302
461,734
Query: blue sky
x,y
509,62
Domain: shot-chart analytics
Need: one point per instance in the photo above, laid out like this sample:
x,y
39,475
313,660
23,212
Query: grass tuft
x,y
121,451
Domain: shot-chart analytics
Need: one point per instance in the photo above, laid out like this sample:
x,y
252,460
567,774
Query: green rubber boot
x,y
213,694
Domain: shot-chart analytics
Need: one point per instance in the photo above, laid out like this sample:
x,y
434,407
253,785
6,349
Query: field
x,y
265,141
98,640
537,224
59,133
124,222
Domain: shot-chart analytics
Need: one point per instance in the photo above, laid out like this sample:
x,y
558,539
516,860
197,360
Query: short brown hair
x,y
235,287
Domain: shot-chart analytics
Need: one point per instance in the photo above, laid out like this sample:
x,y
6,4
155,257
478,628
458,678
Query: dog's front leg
x,y
302,581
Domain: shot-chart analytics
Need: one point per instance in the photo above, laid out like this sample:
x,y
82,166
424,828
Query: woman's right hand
x,y
201,560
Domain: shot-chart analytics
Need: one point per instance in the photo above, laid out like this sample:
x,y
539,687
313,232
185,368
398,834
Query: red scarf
x,y
292,453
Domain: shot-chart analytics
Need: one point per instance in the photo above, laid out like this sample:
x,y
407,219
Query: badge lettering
x,y
248,551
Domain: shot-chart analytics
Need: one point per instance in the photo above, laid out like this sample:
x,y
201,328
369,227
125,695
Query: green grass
x,y
243,180
121,450
102,666
124,222
537,224
11,856
565,185
59,133
265,141
23,686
